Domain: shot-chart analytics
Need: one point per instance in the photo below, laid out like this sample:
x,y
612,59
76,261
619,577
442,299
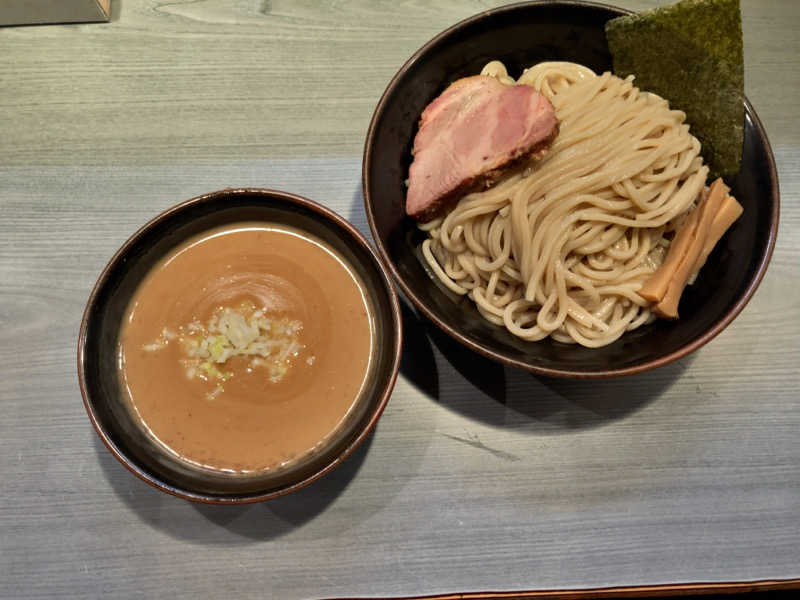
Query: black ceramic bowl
x,y
521,35
99,337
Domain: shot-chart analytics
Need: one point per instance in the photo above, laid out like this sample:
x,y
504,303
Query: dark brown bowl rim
x,y
498,356
325,214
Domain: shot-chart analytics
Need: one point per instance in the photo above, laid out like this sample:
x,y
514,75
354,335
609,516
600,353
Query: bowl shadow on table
x,y
536,403
232,525
417,363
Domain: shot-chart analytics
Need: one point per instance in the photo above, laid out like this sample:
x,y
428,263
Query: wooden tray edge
x,y
649,591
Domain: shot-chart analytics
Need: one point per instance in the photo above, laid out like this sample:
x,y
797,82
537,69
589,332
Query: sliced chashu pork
x,y
469,135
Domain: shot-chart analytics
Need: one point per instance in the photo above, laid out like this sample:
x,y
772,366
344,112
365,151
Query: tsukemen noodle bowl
x,y
239,346
572,257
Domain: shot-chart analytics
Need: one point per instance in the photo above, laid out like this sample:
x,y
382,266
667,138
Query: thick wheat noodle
x,y
560,248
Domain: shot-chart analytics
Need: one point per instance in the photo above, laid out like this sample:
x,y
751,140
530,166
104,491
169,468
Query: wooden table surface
x,y
477,477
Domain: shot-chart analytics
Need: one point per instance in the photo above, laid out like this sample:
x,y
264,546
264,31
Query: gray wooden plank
x,y
214,80
690,472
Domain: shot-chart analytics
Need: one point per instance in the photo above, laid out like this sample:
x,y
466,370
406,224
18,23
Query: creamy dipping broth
x,y
246,347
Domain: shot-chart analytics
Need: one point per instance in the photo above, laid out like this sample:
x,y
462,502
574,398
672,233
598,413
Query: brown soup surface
x,y
221,399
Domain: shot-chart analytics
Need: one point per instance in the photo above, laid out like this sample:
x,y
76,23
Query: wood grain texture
x,y
478,477
210,80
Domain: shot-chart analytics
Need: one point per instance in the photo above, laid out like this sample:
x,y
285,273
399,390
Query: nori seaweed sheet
x,y
691,54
